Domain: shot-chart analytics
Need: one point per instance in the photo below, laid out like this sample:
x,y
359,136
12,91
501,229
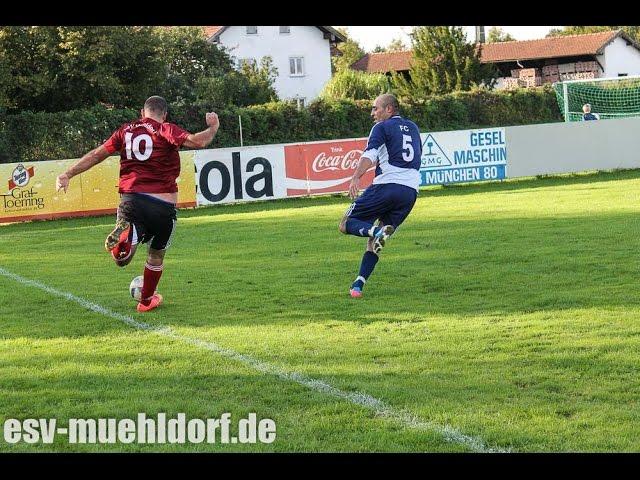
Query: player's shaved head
x,y
156,105
384,106
388,100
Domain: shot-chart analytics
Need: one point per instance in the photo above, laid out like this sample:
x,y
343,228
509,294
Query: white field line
x,y
449,433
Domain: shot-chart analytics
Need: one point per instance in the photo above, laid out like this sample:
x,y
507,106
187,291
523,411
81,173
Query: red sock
x,y
152,274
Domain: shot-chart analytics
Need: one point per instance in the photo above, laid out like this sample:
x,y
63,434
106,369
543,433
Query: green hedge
x,y
29,136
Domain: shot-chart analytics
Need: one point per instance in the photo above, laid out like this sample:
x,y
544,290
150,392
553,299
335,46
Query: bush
x,y
356,85
29,137
484,108
252,85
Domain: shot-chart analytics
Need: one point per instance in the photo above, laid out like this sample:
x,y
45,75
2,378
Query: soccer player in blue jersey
x,y
587,115
394,147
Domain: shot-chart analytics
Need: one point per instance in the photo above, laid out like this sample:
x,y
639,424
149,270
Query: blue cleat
x,y
356,288
380,238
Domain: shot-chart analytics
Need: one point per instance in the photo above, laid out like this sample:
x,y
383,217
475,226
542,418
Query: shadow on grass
x,y
528,183
302,273
457,267
306,419
502,402
589,178
261,272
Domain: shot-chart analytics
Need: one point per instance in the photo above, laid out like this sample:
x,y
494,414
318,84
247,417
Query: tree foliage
x,y
396,45
632,31
62,68
188,57
496,34
51,69
442,62
356,85
251,85
349,52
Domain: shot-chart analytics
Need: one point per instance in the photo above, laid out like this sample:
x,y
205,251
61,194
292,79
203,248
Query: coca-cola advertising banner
x,y
323,167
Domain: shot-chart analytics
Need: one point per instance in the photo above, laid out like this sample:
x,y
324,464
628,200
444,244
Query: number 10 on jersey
x,y
133,146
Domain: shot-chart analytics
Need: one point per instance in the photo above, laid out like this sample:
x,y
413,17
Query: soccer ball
x,y
135,287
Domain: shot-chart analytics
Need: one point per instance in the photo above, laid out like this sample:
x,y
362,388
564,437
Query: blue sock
x,y
359,228
369,260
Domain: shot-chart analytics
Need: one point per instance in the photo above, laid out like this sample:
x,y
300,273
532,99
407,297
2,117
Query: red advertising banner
x,y
323,167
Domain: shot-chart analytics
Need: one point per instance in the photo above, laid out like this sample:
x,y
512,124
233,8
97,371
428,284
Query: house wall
x,y
303,41
619,58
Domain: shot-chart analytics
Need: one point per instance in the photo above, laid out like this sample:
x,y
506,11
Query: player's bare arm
x,y
89,160
204,138
363,165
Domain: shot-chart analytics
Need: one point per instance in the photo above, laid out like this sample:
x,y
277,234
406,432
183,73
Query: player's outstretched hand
x,y
62,182
212,120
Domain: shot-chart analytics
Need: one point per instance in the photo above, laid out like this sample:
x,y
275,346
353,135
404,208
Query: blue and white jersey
x,y
396,147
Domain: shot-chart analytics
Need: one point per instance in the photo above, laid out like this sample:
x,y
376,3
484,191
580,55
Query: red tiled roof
x,y
384,62
553,47
210,31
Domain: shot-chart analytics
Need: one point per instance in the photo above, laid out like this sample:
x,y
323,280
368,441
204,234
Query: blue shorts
x,y
390,203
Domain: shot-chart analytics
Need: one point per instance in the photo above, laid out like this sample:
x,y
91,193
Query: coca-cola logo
x,y
336,160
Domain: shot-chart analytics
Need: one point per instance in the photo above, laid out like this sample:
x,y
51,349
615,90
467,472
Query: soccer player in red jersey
x,y
149,166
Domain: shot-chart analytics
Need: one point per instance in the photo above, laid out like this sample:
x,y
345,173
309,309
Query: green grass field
x,y
506,312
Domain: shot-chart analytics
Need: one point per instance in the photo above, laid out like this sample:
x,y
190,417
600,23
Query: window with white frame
x,y
296,66
252,30
286,29
300,102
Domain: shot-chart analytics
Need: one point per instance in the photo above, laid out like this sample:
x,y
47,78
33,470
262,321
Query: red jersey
x,y
149,159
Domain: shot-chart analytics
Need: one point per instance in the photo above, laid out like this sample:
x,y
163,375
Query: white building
x,y
609,54
302,54
620,58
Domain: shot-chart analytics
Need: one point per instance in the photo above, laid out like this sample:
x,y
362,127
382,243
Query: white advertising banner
x,y
463,156
230,175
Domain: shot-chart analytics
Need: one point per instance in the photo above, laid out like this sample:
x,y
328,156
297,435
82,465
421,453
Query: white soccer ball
x,y
135,287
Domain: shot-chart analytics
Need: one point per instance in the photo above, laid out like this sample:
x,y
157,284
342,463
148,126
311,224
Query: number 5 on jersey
x,y
133,147
406,145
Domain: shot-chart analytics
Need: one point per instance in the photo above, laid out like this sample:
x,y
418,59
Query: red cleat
x,y
121,252
119,235
156,301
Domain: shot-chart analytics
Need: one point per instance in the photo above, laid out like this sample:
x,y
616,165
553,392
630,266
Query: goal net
x,y
608,97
